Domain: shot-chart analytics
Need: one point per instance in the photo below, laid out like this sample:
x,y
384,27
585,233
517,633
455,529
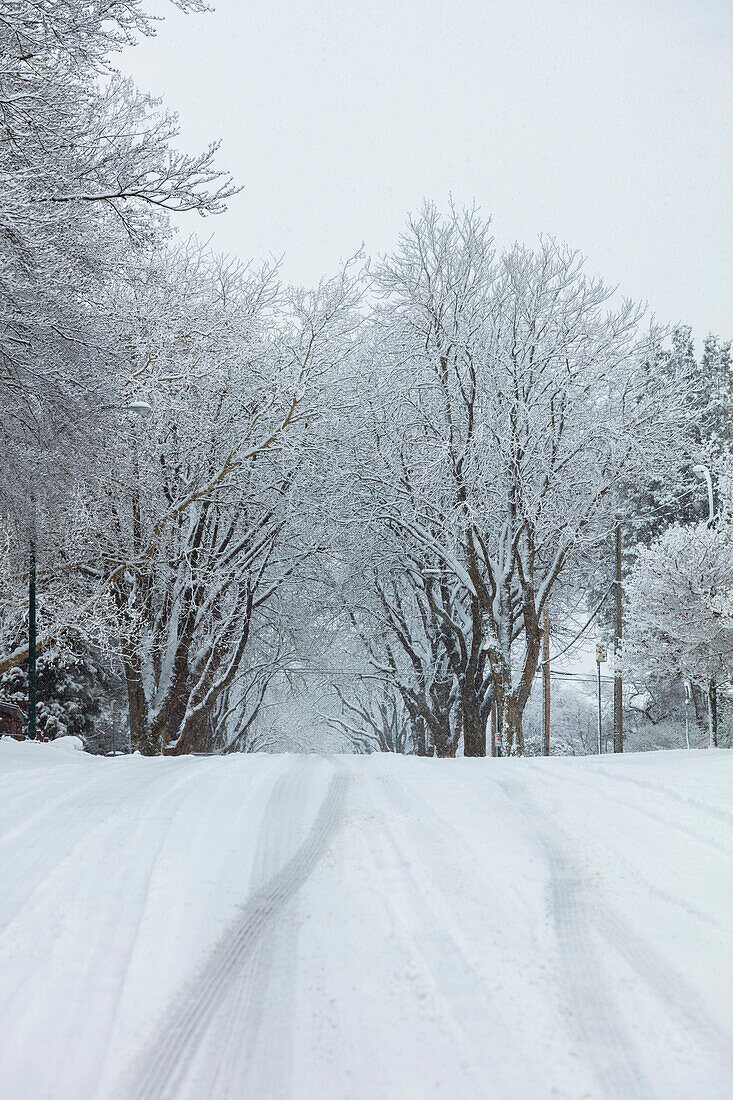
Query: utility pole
x,y
618,686
712,714
600,657
546,680
704,472
32,640
600,745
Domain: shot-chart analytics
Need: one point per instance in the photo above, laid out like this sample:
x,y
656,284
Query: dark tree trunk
x,y
196,736
513,733
510,704
167,725
699,702
474,728
511,701
142,738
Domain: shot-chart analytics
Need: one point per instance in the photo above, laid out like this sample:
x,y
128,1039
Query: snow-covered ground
x,y
381,928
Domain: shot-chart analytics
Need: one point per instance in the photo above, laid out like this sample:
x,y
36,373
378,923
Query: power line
x,y
361,674
582,630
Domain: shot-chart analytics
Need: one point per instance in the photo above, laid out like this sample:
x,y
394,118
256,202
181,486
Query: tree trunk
x,y
511,701
141,736
697,699
509,708
196,735
420,739
513,733
474,728
501,690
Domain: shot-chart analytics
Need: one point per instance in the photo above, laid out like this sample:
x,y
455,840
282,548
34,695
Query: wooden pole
x,y
618,687
600,717
546,680
712,714
32,643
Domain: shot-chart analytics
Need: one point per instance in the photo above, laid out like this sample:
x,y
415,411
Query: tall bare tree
x,y
518,399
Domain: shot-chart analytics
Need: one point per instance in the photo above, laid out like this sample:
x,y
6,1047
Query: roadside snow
x,y
64,744
365,928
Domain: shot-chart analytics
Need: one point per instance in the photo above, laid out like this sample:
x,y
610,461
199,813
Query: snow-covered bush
x,y
73,692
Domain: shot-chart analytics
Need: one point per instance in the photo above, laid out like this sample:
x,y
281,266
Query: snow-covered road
x,y
365,928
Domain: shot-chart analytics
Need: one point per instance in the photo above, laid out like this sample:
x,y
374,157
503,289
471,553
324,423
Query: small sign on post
x,y
600,653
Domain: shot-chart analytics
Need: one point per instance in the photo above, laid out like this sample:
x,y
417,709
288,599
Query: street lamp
x,y
142,408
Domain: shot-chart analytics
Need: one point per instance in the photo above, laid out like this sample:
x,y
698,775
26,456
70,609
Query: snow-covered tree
x,y
680,609
656,499
518,399
199,527
374,720
87,172
74,687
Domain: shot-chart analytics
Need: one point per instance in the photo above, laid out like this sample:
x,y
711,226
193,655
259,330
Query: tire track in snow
x,y
129,925
614,1060
245,1003
109,940
704,809
460,993
60,834
666,821
680,1000
575,915
682,904
438,864
166,1065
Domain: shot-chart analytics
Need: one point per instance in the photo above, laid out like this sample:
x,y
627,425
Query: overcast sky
x,y
606,123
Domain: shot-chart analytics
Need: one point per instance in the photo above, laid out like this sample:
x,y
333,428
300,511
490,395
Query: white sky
x,y
606,123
